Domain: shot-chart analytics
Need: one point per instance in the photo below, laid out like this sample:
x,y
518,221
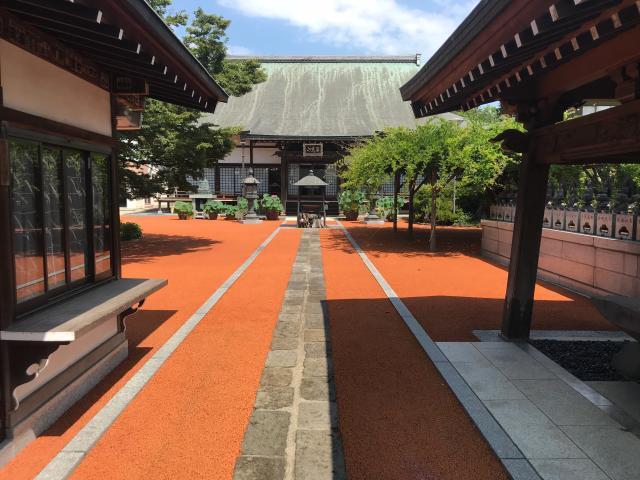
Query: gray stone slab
x,y
317,389
568,469
316,367
274,398
487,382
513,362
288,308
534,434
287,329
625,395
461,352
276,377
562,404
292,302
520,469
317,415
284,343
318,456
259,468
281,358
266,434
314,320
315,335
316,349
616,452
312,309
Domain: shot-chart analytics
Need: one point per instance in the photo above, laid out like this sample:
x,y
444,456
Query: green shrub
x,y
351,202
242,207
230,212
271,203
213,206
384,207
444,213
130,231
183,209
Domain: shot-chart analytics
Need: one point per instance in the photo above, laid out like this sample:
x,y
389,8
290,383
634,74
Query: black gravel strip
x,y
587,360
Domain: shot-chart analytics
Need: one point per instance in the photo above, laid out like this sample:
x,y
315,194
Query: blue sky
x,y
336,27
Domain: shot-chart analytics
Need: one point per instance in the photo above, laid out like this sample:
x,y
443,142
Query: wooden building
x,y
71,73
540,58
303,118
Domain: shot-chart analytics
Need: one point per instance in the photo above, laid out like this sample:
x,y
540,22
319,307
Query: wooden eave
x,y
513,48
125,37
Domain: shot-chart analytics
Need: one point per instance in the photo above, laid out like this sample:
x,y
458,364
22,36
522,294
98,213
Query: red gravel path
x,y
455,291
196,256
398,419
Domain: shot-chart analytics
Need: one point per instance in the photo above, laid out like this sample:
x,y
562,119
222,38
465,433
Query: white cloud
x,y
239,50
373,26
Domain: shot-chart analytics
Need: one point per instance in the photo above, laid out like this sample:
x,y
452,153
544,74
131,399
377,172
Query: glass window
x,y
100,168
27,219
75,175
53,216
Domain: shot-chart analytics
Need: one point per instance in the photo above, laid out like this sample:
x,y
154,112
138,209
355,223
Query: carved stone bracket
x,y
28,359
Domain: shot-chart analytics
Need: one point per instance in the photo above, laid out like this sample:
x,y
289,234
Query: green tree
x,y
173,144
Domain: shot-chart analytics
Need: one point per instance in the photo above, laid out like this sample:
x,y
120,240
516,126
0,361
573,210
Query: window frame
x,y
69,288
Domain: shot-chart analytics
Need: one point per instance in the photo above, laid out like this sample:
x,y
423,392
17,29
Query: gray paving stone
x,y
259,468
520,469
316,349
288,308
624,394
316,389
315,335
293,301
513,362
616,452
281,358
487,382
562,404
266,434
276,377
314,320
317,415
568,469
461,352
316,367
284,343
287,329
318,456
312,309
274,398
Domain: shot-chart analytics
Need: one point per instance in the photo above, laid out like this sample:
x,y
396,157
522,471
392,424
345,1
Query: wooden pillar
x,y
396,187
284,176
251,152
525,247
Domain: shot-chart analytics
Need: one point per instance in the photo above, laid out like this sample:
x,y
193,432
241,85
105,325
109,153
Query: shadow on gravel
x,y
156,245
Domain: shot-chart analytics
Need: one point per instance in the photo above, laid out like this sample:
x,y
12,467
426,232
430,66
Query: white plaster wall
x,y
260,156
67,355
37,87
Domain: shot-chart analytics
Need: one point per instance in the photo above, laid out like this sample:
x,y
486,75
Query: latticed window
x,y
209,176
230,180
331,177
262,174
294,176
387,187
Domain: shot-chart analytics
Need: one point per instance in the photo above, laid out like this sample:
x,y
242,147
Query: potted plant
x,y
130,231
230,212
384,207
350,202
212,208
184,210
242,207
272,206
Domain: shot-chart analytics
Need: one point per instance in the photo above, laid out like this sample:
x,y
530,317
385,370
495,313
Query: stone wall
x,y
585,263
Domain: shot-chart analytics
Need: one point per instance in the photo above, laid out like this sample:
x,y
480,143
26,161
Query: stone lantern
x,y
372,217
250,185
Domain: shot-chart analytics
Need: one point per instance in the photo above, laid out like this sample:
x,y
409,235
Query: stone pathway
x,y
292,433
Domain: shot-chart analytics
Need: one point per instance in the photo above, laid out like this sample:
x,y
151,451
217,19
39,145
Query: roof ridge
x,y
415,59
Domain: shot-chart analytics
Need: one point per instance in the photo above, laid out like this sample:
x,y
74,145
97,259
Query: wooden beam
x,y
609,136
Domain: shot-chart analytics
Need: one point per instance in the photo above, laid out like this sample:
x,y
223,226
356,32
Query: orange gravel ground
x,y
196,257
453,292
398,419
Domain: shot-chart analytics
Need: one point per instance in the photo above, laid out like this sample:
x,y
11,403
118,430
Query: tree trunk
x,y
434,196
396,187
411,209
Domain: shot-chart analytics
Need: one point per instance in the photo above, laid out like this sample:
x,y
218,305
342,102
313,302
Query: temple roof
x,y
323,97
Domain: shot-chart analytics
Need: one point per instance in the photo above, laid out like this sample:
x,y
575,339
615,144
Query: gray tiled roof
x,y
323,97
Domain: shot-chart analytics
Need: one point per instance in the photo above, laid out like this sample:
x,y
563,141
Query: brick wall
x,y
585,263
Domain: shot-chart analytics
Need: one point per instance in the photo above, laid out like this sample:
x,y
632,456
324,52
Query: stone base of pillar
x,y
373,220
250,220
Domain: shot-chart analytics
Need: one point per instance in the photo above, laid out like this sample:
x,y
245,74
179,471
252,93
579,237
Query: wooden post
x,y
284,177
251,152
525,247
